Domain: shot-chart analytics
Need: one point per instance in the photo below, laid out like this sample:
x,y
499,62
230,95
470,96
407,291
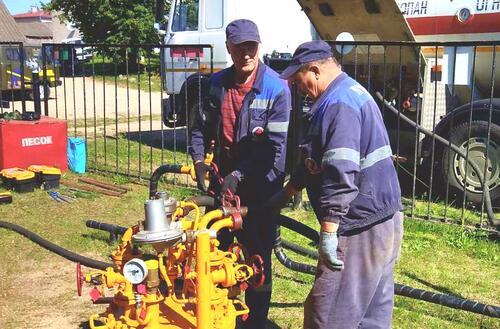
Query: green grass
x,y
435,257
141,81
112,154
101,122
105,68
439,211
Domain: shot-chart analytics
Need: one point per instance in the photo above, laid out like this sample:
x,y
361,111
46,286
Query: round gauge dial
x,y
135,270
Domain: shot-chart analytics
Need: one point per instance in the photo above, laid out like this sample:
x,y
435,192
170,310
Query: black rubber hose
x,y
114,229
299,249
399,289
447,300
489,208
155,177
298,227
287,262
201,201
69,255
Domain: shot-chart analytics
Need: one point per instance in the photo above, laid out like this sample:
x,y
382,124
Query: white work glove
x,y
328,243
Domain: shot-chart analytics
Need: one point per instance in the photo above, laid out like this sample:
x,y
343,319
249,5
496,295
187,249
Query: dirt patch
x,y
44,296
78,98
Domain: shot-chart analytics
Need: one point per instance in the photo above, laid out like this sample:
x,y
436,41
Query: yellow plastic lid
x,y
17,173
45,169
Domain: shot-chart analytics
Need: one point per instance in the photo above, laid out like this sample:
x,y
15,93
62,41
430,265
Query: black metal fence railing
x,y
452,90
115,97
131,103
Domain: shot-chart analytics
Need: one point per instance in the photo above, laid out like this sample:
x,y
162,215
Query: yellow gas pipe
x,y
203,281
205,302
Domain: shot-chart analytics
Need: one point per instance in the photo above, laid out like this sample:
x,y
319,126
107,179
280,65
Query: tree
x,y
112,22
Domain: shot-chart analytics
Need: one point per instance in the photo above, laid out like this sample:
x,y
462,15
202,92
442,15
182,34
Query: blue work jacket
x,y
260,132
350,175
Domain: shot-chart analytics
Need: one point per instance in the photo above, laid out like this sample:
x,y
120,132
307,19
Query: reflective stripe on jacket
x,y
351,179
261,126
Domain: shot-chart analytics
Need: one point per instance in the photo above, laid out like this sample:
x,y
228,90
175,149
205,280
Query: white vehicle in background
x,y
282,26
453,85
81,54
449,83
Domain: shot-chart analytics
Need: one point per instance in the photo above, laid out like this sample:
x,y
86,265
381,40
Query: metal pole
x,y
35,83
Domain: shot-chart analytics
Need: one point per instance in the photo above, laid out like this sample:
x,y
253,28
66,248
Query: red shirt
x,y
231,106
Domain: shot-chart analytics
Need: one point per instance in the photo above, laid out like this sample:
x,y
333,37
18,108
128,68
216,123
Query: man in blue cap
x,y
246,112
354,191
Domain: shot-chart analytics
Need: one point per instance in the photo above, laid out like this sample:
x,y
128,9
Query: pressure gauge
x,y
135,270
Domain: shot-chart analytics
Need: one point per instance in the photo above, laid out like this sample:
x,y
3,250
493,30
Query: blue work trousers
x,y
362,294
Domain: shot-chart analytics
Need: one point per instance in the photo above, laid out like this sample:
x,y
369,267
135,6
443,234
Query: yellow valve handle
x,y
92,324
209,158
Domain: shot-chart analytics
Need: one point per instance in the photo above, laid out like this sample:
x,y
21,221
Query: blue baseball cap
x,y
242,30
307,52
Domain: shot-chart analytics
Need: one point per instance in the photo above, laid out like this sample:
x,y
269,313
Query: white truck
x,y
455,86
440,80
282,26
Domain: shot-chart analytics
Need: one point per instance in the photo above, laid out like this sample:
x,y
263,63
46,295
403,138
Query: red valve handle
x,y
258,278
240,251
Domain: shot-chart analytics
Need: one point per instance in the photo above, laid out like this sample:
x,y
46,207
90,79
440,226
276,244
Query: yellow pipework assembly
x,y
183,281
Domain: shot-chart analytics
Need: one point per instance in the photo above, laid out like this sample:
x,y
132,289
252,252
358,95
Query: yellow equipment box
x,y
5,197
48,177
19,180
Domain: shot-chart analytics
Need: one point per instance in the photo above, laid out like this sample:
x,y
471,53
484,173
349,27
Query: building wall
x,y
61,31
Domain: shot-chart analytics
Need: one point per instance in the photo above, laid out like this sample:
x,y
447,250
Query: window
x,y
12,54
213,14
185,16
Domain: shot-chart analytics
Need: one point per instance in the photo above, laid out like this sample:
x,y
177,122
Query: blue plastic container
x,y
76,155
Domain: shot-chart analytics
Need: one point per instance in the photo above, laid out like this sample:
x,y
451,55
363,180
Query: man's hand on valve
x,y
231,182
201,169
328,243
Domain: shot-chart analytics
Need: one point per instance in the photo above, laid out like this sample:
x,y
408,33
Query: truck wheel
x,y
453,166
193,115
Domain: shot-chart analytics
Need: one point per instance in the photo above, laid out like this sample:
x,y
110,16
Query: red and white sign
x,y
458,20
24,143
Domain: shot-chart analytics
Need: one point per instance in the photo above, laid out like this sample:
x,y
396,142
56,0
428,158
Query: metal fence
x,y
450,89
131,104
113,96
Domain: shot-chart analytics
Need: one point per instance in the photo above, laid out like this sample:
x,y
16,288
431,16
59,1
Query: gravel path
x,y
78,97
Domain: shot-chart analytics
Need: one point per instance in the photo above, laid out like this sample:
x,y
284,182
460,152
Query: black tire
x,y
193,115
450,164
193,105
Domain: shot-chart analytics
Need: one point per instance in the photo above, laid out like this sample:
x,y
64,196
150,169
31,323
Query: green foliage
x,y
112,22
